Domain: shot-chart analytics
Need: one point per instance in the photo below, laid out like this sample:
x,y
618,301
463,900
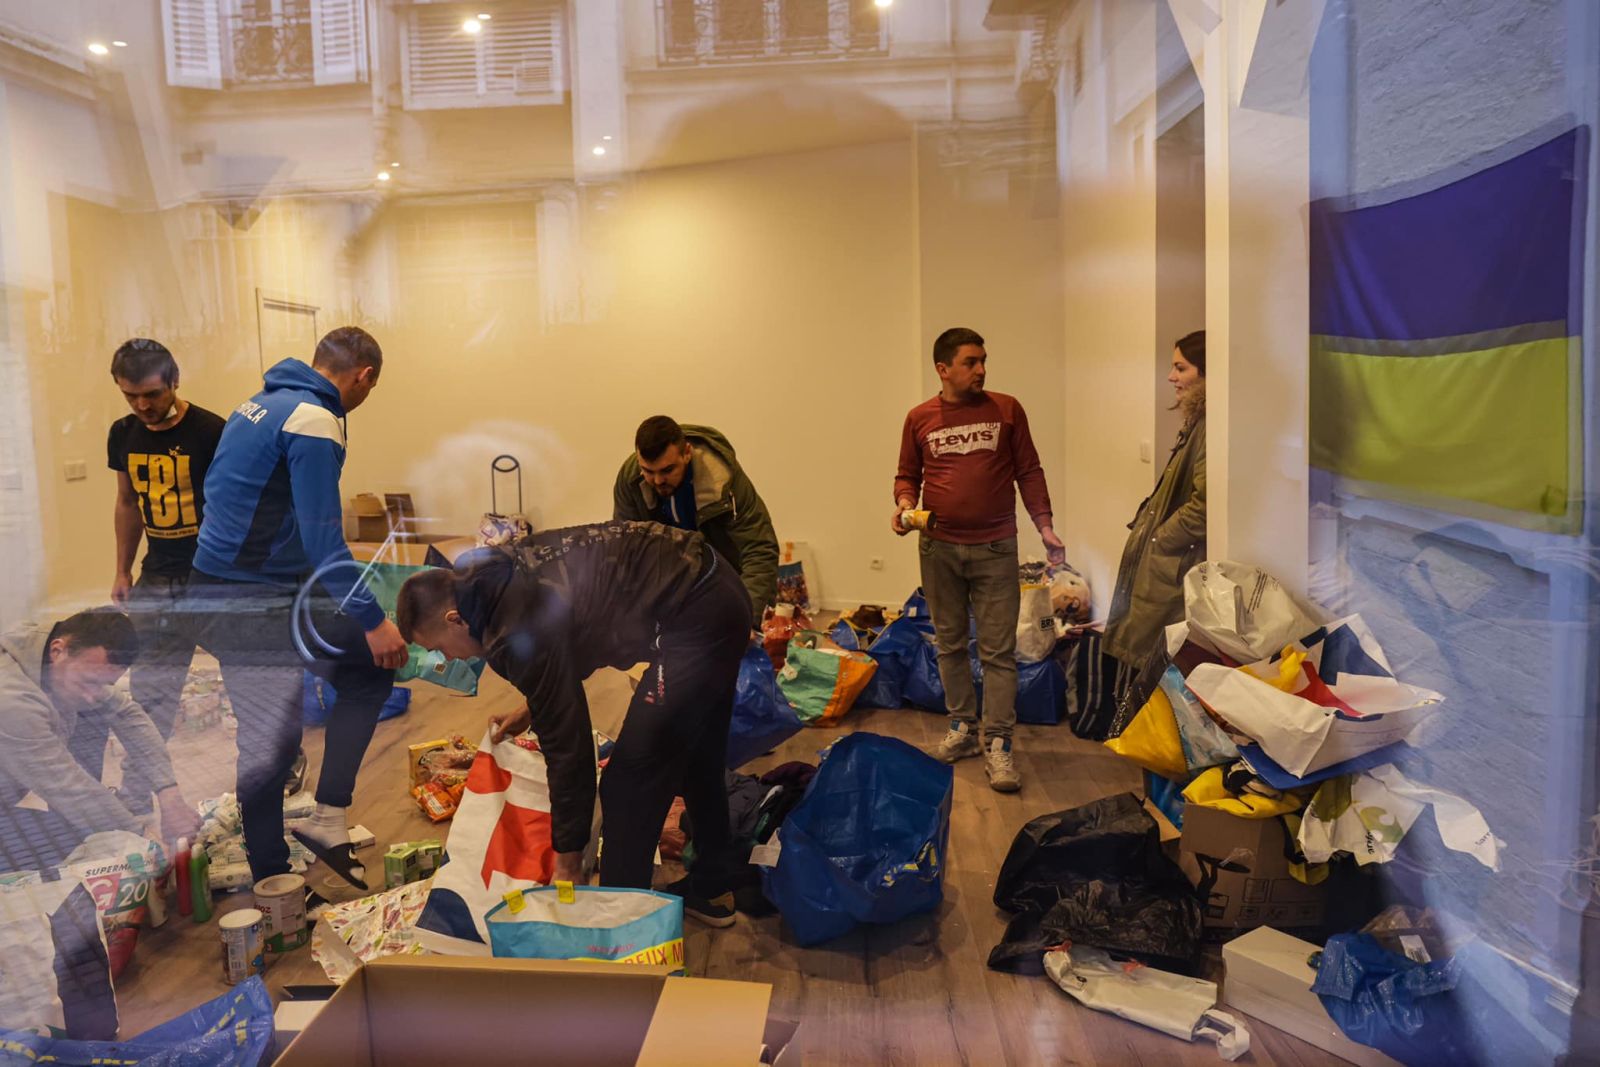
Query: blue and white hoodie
x,y
273,512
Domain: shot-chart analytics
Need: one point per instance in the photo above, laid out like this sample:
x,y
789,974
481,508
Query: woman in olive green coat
x,y
1169,531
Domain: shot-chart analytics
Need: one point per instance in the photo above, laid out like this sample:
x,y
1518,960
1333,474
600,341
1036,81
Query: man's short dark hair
x,y
950,342
139,357
423,599
105,628
657,434
347,348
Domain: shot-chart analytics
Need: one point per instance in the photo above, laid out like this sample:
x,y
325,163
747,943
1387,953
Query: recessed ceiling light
x,y
881,4
383,175
484,17
607,137
396,163
99,49
119,44
472,26
599,149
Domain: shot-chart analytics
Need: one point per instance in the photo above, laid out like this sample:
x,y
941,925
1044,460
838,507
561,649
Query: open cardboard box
x,y
431,1010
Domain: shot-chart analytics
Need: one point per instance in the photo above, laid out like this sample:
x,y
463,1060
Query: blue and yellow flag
x,y
1446,349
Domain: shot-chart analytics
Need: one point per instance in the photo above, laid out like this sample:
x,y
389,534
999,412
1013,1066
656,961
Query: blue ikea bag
x,y
318,697
868,841
762,718
1403,1008
588,923
1041,691
234,1030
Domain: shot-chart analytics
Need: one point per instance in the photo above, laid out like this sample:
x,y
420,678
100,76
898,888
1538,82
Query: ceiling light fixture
x,y
882,4
484,17
383,175
472,26
607,137
99,49
599,149
396,163
119,44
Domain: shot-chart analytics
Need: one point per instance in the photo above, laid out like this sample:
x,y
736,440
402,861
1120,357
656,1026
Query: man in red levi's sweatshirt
x,y
962,451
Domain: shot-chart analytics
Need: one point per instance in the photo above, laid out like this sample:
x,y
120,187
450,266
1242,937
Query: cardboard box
x,y
1269,979
366,519
1168,833
1262,893
444,551
430,1010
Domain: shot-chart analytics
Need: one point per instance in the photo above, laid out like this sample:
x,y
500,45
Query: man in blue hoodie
x,y
273,524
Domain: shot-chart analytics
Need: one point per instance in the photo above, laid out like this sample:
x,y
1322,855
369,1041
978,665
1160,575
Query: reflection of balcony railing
x,y
742,31
271,49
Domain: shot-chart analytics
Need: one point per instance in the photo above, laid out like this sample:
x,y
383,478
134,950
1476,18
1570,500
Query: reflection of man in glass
x,y
57,707
160,453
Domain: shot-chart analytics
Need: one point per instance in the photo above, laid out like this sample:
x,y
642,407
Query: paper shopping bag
x,y
1325,699
499,841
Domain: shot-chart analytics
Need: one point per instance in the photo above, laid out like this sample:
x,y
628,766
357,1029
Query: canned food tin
x,y
918,520
281,900
242,954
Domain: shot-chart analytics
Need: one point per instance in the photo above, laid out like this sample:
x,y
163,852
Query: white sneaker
x,y
999,766
959,743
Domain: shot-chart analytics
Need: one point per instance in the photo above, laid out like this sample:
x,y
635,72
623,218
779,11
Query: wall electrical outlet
x,y
76,470
876,563
1145,448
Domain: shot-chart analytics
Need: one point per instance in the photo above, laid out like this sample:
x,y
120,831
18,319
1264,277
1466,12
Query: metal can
x,y
242,954
281,900
918,520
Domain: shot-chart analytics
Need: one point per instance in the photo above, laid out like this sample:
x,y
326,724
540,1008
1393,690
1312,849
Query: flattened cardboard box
x,y
1265,894
432,1010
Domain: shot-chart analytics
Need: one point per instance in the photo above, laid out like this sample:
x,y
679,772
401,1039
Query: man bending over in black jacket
x,y
546,612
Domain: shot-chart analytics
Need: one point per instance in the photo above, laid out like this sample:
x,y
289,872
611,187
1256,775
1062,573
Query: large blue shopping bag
x,y
762,718
567,922
868,842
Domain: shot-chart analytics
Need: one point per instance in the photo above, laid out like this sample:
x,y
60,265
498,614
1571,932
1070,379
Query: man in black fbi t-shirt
x,y
160,453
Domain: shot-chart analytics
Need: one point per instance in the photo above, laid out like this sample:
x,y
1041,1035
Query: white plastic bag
x,y
1341,700
1240,611
1175,1005
1368,815
1036,624
54,969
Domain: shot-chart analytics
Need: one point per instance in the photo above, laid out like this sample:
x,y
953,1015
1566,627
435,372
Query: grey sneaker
x,y
1000,768
959,743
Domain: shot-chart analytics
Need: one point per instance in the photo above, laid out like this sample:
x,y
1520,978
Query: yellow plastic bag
x,y
1209,792
1151,739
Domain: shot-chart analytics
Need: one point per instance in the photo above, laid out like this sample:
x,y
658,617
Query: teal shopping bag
x,y
383,581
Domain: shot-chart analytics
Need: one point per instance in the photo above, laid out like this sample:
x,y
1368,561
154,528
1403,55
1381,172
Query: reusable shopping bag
x,y
1327,698
1041,692
383,581
1152,740
867,844
233,1030
822,684
568,922
499,841
762,718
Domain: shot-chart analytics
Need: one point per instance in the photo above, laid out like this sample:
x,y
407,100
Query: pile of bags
x,y
1299,712
908,662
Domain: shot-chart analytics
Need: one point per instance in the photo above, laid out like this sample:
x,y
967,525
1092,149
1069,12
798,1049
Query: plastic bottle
x,y
200,883
180,873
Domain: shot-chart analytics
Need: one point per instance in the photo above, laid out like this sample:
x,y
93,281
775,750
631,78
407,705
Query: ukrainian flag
x,y
1446,350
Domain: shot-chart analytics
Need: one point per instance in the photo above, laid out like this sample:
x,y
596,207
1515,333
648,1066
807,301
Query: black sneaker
x,y
715,911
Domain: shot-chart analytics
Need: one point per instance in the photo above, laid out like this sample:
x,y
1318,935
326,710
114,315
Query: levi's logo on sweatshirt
x,y
960,440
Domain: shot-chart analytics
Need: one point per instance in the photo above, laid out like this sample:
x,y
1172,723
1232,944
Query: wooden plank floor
x,y
915,993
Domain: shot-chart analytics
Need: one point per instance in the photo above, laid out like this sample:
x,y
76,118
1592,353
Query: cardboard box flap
x,y
701,1022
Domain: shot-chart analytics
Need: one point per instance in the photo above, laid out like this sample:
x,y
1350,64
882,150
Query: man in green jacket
x,y
689,477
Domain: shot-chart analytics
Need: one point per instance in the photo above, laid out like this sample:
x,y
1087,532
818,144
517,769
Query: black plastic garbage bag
x,y
1095,876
